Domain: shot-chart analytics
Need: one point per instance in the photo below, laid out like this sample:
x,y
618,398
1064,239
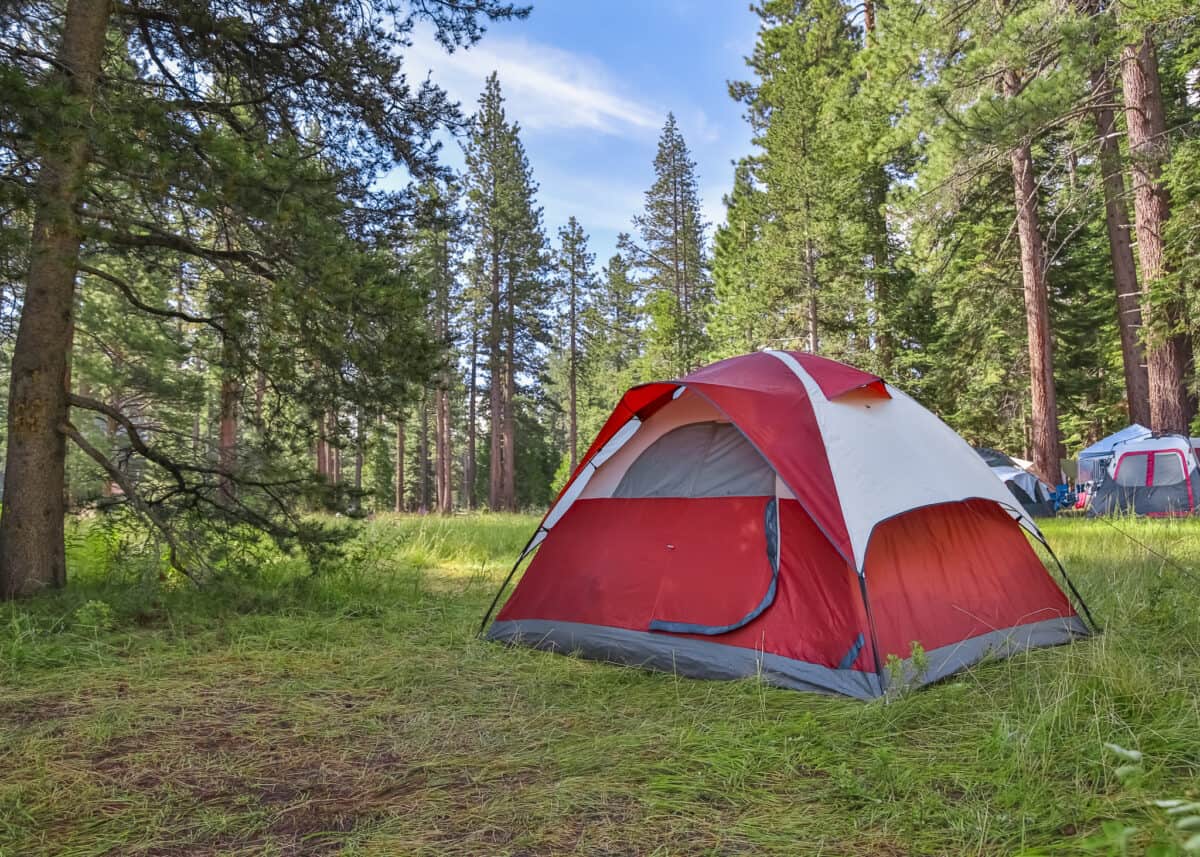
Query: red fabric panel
x,y
946,573
623,562
836,378
818,610
607,563
777,416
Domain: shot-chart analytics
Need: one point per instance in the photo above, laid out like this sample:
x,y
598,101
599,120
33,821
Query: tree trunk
x,y
1125,278
509,486
359,443
1166,348
322,450
445,455
810,273
423,456
32,552
400,463
1037,315
496,394
572,371
471,464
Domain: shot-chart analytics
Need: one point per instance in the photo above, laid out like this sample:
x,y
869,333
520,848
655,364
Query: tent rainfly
x,y
786,516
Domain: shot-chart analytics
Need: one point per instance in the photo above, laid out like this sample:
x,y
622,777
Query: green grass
x,y
356,713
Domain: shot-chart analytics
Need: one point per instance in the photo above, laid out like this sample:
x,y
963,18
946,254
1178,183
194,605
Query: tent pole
x,y
1071,586
492,607
862,585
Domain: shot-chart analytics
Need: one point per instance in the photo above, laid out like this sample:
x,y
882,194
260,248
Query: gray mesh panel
x,y
699,460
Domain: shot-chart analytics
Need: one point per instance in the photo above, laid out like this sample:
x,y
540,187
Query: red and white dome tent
x,y
784,515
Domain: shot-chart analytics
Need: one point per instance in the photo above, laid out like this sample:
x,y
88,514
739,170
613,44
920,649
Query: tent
x,y
783,515
1034,495
1156,476
1093,460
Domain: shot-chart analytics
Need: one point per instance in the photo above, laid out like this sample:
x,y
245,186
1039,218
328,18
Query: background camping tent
x,y
1034,495
1093,459
1155,476
784,515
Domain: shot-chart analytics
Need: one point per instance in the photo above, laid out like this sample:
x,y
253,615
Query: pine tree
x,y
575,282
1168,347
673,260
509,246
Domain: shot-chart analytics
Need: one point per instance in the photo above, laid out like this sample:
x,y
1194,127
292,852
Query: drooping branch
x,y
127,290
145,509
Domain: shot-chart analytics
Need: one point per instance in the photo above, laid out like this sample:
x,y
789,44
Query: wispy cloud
x,y
546,88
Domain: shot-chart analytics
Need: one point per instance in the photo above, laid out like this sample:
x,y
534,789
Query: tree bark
x,y
573,368
471,464
32,552
1125,278
399,503
423,456
1167,349
509,485
360,440
445,455
810,272
496,393
1044,412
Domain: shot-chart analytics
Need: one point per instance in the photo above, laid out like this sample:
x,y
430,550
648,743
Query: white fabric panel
x,y
889,456
576,488
618,440
538,538
688,408
569,496
1151,444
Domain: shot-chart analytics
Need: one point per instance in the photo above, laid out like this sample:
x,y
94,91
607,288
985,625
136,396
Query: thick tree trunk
x,y
1125,278
32,553
399,504
1037,320
1167,350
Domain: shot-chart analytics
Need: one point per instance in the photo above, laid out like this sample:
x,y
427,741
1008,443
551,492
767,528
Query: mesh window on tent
x,y
709,459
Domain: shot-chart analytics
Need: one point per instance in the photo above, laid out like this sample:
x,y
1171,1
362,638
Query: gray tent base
x,y
704,659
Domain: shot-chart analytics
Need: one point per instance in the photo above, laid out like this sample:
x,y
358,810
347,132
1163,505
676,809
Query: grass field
x,y
355,712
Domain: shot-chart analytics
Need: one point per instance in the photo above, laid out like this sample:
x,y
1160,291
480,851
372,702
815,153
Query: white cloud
x,y
599,202
545,87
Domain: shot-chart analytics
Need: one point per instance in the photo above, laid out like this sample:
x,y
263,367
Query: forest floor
x,y
355,712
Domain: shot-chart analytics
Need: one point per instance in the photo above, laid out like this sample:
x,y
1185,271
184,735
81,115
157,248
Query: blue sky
x,y
591,82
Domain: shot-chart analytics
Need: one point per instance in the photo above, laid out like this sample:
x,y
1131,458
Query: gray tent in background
x,y
1035,496
1156,476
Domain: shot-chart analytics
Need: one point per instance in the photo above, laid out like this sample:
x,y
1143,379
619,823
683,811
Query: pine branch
x,y
127,486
